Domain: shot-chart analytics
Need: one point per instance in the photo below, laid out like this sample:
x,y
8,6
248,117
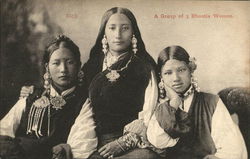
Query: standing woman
x,y
213,134
42,120
122,85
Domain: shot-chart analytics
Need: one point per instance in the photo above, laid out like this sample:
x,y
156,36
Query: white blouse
x,y
225,133
82,137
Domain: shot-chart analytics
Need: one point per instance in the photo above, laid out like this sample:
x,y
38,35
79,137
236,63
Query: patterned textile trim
x,y
135,137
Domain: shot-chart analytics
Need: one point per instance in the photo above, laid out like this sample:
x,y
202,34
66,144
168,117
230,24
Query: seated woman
x,y
213,134
42,120
122,85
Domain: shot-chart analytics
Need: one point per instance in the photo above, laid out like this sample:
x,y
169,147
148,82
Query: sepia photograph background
x,y
216,33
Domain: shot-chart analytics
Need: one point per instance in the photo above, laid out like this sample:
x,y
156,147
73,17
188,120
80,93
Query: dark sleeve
x,y
38,147
175,123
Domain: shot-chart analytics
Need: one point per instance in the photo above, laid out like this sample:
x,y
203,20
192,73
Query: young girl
x,y
42,120
213,134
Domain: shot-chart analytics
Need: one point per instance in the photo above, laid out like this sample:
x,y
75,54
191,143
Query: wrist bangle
x,y
120,145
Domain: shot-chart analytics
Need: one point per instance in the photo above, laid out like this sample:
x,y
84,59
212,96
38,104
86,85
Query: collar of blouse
x,y
54,93
111,59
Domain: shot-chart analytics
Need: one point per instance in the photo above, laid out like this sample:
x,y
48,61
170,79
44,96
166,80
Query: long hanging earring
x,y
134,44
194,83
162,90
104,45
47,79
80,76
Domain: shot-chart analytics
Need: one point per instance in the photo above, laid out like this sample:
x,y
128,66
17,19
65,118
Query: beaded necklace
x,y
189,92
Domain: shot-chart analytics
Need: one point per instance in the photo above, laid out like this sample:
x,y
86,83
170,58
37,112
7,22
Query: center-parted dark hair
x,y
93,65
177,53
96,50
61,41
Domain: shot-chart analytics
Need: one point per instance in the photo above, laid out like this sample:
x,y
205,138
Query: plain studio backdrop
x,y
221,45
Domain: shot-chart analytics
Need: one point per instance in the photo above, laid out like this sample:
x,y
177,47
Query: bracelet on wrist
x,y
119,145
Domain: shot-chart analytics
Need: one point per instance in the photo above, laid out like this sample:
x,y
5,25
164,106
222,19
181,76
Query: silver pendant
x,y
113,75
57,102
42,102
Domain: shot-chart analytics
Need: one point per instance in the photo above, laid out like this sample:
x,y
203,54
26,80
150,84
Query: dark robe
x,y
117,103
198,142
61,120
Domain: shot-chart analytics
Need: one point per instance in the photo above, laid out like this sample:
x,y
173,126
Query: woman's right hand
x,y
26,91
110,150
62,151
175,100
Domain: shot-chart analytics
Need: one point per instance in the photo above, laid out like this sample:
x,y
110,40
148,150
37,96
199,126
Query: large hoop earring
x,y
162,89
134,44
194,83
104,45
